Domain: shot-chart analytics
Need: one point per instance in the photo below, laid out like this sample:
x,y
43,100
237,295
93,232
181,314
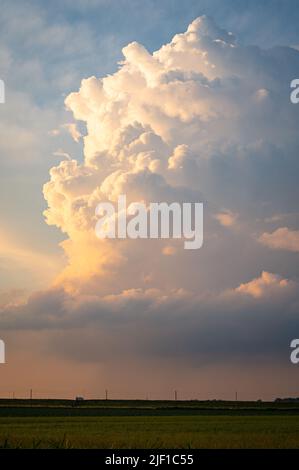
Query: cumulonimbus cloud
x,y
193,120
173,126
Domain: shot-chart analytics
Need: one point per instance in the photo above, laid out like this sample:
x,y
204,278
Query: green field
x,y
143,424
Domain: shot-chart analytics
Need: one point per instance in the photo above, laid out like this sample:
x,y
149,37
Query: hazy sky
x,y
161,101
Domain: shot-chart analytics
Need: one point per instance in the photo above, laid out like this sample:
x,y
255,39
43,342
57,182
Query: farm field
x,y
144,424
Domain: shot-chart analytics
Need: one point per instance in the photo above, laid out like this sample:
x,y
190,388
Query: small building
x,y
79,399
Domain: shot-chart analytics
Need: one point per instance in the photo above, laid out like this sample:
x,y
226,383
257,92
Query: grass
x,y
154,425
151,432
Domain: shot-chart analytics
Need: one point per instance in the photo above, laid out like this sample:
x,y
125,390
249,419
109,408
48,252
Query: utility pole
x,y
31,394
106,394
236,396
175,395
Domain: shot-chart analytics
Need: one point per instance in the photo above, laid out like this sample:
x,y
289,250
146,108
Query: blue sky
x,y
153,22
